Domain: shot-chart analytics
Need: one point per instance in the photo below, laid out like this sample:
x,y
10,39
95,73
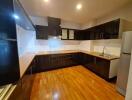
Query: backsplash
x,y
112,46
85,45
55,45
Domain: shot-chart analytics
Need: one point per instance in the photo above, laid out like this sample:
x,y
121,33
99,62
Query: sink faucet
x,y
103,51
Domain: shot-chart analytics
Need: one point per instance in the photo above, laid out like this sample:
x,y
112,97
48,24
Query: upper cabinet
x,y
64,34
67,34
54,28
21,17
41,32
110,30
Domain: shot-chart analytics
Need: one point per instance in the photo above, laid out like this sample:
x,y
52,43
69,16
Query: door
x,y
127,42
123,71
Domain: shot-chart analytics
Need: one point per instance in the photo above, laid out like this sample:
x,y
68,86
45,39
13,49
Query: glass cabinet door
x,y
71,34
64,34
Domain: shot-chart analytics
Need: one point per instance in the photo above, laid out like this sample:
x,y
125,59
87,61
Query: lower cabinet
x,y
102,67
98,65
54,61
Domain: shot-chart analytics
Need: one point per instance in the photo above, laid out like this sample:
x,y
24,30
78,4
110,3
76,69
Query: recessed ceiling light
x,y
78,6
46,0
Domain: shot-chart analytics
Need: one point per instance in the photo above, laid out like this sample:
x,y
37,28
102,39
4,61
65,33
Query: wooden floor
x,y
73,83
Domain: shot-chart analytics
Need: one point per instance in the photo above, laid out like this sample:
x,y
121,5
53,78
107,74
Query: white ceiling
x,y
66,9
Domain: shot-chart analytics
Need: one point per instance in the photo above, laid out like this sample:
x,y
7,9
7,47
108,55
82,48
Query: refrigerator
x,y
123,69
9,61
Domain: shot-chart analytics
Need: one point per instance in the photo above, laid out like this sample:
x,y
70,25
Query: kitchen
x,y
48,55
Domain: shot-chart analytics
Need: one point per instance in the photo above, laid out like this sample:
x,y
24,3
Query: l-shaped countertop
x,y
27,58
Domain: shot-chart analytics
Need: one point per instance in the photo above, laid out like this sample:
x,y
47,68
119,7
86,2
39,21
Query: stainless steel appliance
x,y
123,69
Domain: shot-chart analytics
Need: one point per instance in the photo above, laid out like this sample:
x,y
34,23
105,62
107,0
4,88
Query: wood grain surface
x,y
73,83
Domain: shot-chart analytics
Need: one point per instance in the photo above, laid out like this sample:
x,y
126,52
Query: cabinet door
x,y
79,35
7,21
41,32
112,29
64,34
42,63
71,34
9,62
102,67
92,33
89,62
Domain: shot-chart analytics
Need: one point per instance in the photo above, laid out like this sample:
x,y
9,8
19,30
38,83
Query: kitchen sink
x,y
105,55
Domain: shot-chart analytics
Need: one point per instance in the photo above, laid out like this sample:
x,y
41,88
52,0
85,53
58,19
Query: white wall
x,y
44,21
124,13
129,86
71,25
39,20
89,24
55,45
26,40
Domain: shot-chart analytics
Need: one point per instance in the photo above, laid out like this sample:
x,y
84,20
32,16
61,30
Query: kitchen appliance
x,y
11,13
123,69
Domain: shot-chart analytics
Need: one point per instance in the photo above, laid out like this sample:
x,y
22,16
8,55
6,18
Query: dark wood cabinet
x,y
9,61
7,24
42,32
80,35
109,30
98,65
53,61
103,67
47,62
54,28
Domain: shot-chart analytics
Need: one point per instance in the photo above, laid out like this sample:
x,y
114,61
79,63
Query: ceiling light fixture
x,y
46,0
78,6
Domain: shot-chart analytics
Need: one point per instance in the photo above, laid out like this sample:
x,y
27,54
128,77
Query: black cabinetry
x,y
42,32
109,30
54,61
54,28
98,65
9,63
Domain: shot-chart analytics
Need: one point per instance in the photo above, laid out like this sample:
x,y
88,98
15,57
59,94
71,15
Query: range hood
x,y
54,29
